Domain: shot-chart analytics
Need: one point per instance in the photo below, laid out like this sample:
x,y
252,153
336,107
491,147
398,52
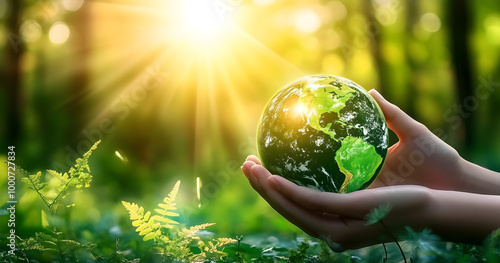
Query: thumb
x,y
397,120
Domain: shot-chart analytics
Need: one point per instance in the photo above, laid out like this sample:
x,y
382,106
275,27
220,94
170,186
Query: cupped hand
x,y
419,157
338,219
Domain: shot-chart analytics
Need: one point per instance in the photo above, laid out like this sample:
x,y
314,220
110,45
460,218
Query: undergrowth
x,y
160,237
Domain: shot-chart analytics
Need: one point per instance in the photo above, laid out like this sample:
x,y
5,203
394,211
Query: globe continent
x,y
324,132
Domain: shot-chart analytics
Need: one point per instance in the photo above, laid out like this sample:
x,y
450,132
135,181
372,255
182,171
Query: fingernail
x,y
378,94
273,183
375,91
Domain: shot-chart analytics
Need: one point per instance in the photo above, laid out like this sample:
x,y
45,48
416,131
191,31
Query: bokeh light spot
x,y
330,39
30,30
430,22
3,8
492,26
306,20
264,2
59,33
337,9
72,5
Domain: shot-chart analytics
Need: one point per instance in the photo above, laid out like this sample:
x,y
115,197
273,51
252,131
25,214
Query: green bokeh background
x,y
178,107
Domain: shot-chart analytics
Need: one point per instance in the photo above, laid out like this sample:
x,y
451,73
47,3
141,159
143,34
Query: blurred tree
x,y
412,11
14,50
375,30
459,19
80,22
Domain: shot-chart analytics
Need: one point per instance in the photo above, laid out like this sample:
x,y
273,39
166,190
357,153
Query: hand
x,y
420,157
339,218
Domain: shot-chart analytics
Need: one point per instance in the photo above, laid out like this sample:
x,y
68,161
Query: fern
x,y
53,193
173,242
165,207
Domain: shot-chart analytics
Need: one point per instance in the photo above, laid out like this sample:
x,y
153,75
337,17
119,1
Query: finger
x,y
254,159
246,168
309,221
339,204
332,228
356,204
397,120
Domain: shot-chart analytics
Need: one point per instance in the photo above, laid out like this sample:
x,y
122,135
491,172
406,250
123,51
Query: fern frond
x,y
200,227
224,241
144,223
165,208
165,212
170,199
66,183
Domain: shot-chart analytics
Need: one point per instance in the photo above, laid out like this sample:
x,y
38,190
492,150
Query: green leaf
x,y
165,213
142,227
145,231
377,214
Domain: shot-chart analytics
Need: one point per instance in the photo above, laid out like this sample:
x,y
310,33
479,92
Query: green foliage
x,y
493,247
423,244
54,246
377,214
61,185
164,239
174,243
300,254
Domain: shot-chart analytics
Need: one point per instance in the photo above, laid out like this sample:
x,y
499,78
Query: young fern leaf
x,y
143,222
173,244
165,208
68,182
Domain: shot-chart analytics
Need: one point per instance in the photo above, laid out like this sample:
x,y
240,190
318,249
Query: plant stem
x,y
395,240
59,247
58,195
385,250
38,192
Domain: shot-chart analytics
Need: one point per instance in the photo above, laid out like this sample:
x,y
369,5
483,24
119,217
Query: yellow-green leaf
x,y
165,213
145,231
167,207
146,216
165,220
149,236
141,227
137,223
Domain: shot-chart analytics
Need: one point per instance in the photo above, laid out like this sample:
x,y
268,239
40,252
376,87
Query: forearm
x,y
478,179
463,217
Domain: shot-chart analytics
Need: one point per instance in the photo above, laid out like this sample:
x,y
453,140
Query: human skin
x,y
456,199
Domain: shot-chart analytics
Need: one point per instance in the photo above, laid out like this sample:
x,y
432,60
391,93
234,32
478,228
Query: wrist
x,y
461,216
476,179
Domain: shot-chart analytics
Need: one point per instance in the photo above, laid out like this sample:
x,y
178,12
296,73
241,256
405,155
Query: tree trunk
x,y
80,74
14,50
411,88
373,31
459,21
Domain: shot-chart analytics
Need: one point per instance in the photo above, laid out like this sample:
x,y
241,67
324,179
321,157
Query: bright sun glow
x,y
202,19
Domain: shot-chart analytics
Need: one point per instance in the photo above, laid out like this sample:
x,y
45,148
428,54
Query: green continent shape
x,y
321,98
358,160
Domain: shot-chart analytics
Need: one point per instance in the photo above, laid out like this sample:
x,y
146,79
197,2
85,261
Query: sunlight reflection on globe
x,y
324,132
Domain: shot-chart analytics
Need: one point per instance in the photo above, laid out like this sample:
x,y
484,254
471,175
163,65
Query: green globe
x,y
324,132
